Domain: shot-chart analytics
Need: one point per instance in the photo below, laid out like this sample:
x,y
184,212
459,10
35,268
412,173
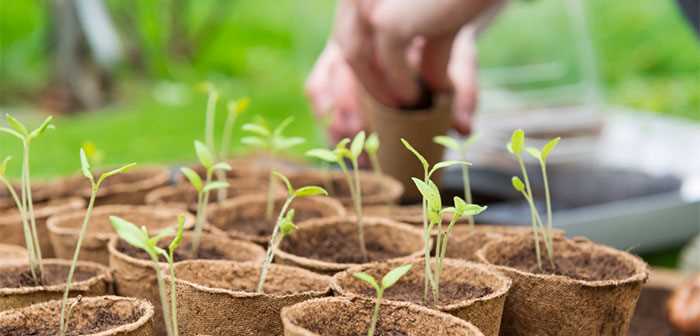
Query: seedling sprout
x,y
389,280
25,204
206,158
338,156
274,141
461,148
141,239
285,222
372,148
94,188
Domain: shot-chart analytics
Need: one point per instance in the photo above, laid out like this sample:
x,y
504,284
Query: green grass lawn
x,y
648,58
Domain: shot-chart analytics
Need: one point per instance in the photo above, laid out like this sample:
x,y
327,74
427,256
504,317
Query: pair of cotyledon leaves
x,y
140,238
517,145
388,280
20,131
206,159
272,139
287,225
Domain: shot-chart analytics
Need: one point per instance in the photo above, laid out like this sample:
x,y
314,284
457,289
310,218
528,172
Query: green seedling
x,y
274,141
429,223
516,146
206,159
389,280
141,239
542,156
338,156
94,188
461,148
285,222
435,212
372,148
25,204
210,116
235,109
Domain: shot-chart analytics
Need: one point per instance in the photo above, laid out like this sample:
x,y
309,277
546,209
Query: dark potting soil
x,y
53,275
338,249
583,265
103,320
182,253
450,292
259,226
650,317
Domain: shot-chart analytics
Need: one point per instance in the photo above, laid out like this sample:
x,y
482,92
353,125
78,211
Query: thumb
x,y
462,72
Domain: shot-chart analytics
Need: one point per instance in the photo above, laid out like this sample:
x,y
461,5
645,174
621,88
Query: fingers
x,y
462,72
399,75
320,80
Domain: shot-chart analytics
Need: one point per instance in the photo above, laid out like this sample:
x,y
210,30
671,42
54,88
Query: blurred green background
x,y
647,56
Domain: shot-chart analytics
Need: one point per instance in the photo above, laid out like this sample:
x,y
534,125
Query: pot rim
x,y
254,265
337,220
501,288
147,307
389,188
160,175
641,269
46,211
102,274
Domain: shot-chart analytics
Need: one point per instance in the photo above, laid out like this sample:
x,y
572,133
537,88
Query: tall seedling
x,y
94,188
516,147
461,148
389,280
285,222
429,223
206,159
25,204
141,239
338,156
274,141
235,109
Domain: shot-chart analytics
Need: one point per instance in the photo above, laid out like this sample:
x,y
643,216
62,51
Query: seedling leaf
x,y
16,125
3,166
447,142
256,129
549,147
460,204
41,129
445,164
473,210
534,152
204,154
372,144
367,278
358,143
518,184
517,142
287,226
393,277
224,166
85,165
282,126
193,177
420,157
254,141
215,185
286,143
323,154
175,243
310,191
120,170
12,132
290,189
167,232
129,232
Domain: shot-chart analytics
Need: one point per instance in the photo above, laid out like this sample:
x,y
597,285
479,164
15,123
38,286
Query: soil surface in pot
x,y
337,247
324,329
450,292
650,317
582,265
259,226
182,253
53,275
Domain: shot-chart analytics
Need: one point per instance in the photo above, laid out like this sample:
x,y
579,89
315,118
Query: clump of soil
x,y
182,253
53,275
260,226
450,292
339,248
650,317
581,265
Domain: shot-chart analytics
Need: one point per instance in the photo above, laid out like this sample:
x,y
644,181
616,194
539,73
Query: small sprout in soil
x,y
235,109
140,238
338,156
94,188
274,141
516,147
431,216
372,148
388,280
25,204
461,148
285,222
206,158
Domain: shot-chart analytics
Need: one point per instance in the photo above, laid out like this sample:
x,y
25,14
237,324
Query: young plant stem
x,y
209,126
436,272
225,149
357,204
163,296
358,209
270,206
548,201
539,224
202,202
173,297
275,240
533,210
221,194
467,191
76,254
375,312
29,208
26,231
376,167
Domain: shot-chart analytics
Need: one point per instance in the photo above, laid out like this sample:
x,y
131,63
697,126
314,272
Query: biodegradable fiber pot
x,y
416,126
469,291
91,316
244,217
133,270
65,229
351,316
376,189
17,288
130,187
11,231
219,298
331,245
409,214
593,291
10,253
